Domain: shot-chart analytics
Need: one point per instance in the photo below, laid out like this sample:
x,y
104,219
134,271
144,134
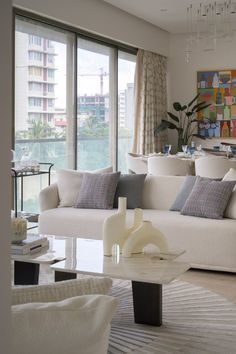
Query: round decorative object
x,y
145,234
18,230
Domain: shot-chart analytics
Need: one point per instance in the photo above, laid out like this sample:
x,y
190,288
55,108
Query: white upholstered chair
x,y
136,163
213,167
169,166
72,316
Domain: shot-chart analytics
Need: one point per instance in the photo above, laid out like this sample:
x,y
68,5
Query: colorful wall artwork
x,y
217,87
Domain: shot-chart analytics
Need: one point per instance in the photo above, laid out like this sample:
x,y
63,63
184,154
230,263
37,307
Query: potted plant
x,y
184,121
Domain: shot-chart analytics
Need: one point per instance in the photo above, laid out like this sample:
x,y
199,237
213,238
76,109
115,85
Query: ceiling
x,y
169,15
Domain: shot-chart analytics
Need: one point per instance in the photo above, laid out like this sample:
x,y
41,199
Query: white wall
x,y
5,136
183,76
99,17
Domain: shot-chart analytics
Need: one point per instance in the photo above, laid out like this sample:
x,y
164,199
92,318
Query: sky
x,y
89,63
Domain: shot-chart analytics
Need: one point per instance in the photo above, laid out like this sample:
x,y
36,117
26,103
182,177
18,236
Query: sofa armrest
x,y
48,197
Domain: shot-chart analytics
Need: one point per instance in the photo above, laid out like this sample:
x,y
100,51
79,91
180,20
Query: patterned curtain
x,y
150,102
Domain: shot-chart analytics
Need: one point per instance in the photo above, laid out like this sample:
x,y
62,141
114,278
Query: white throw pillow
x,y
69,183
230,211
78,325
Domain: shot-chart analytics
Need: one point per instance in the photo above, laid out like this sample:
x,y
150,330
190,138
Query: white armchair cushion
x,y
230,211
69,183
78,325
61,290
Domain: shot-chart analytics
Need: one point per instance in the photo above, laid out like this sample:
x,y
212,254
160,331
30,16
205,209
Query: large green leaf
x,y
183,107
189,114
199,104
172,116
177,106
165,124
201,108
194,121
194,99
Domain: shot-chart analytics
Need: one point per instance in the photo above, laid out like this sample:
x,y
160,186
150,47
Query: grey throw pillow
x,y
208,198
131,187
97,190
183,194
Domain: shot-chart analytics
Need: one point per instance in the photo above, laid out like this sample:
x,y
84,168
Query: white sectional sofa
x,y
209,243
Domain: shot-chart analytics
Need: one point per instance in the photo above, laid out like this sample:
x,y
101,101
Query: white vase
x,y
114,228
145,234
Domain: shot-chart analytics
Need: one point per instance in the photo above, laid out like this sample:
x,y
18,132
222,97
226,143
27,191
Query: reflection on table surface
x,y
86,256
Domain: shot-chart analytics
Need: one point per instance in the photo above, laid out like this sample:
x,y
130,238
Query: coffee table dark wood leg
x,y
26,273
147,300
60,276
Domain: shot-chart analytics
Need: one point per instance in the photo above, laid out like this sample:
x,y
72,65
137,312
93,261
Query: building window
x,y
50,88
51,73
35,71
50,58
35,86
35,101
35,56
50,103
35,40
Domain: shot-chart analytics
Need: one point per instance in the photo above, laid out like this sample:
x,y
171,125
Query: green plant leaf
x,y
194,99
165,124
172,116
201,108
184,107
177,106
198,105
194,121
189,114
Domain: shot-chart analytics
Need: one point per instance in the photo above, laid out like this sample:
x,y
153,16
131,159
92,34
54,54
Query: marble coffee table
x,y
148,272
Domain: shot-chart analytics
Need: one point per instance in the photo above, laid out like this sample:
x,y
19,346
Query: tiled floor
x,y
221,283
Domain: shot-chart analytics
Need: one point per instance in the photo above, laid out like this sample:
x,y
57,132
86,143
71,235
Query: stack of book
x,y
32,244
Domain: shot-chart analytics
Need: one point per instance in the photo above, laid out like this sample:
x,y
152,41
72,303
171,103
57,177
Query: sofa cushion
x,y
183,194
69,183
60,290
159,192
97,190
208,198
131,187
230,211
76,325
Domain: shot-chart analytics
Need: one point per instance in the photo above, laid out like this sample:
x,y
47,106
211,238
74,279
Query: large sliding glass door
x,y
44,102
94,105
73,101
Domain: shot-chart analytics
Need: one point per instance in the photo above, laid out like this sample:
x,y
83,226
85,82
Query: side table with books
x,y
29,254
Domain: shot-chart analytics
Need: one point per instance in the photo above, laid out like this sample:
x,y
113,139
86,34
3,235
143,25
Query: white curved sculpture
x,y
115,231
145,234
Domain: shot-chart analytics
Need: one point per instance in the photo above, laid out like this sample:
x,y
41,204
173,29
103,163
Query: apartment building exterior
x,y
35,80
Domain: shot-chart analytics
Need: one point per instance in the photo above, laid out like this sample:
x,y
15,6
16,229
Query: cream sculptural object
x,y
18,229
145,234
130,240
115,231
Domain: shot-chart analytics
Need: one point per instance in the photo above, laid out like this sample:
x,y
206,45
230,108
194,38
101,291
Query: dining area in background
x,y
192,160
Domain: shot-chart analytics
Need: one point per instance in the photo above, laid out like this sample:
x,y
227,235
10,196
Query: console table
x,y
27,172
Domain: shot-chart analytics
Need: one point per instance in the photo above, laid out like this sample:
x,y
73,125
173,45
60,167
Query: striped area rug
x,y
195,321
